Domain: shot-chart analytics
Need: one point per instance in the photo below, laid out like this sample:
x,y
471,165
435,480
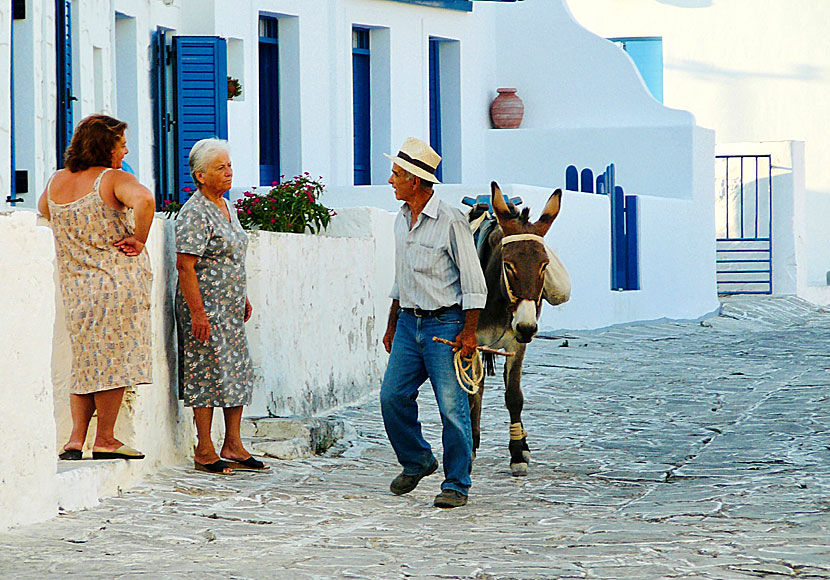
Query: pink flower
x,y
248,194
274,183
310,197
249,212
273,220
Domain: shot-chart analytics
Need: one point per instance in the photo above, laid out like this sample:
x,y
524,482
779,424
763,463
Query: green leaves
x,y
290,206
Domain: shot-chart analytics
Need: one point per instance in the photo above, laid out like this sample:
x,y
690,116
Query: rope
x,y
469,372
517,431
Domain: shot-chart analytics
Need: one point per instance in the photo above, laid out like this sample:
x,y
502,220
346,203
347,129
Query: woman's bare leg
x,y
108,404
82,408
232,447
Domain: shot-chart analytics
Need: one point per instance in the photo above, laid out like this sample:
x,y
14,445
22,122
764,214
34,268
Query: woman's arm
x,y
189,283
132,194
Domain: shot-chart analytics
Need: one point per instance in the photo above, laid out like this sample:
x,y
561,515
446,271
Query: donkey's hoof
x,y
518,469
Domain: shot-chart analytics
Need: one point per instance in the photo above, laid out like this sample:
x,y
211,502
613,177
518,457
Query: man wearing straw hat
x,y
439,290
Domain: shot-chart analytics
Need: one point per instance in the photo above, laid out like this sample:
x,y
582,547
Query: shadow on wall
x,y
687,3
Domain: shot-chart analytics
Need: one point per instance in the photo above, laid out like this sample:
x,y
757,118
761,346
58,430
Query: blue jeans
x,y
414,358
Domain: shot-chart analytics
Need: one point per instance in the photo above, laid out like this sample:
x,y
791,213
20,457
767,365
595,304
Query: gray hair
x,y
204,152
426,185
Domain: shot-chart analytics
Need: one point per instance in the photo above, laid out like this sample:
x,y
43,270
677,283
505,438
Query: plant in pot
x,y
234,88
291,206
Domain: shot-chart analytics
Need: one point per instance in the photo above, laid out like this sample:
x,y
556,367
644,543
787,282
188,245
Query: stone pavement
x,y
664,450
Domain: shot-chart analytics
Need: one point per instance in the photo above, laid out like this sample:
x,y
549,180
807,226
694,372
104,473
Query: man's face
x,y
403,185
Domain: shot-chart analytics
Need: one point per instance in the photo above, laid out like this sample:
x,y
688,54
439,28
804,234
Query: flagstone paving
x,y
694,450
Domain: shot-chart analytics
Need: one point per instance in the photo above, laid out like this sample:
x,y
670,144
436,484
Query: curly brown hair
x,y
93,142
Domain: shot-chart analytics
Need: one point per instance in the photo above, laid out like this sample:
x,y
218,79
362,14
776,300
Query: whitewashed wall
x,y
28,489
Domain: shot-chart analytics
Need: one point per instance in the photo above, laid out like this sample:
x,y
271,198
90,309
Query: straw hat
x,y
418,158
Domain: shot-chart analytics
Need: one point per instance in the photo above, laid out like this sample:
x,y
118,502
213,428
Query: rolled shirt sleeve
x,y
463,251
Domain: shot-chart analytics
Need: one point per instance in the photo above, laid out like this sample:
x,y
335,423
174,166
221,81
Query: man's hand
x,y
388,338
467,337
468,341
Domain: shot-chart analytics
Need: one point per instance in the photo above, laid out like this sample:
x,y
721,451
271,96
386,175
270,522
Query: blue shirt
x,y
436,264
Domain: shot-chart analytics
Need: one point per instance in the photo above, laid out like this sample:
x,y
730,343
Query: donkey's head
x,y
524,259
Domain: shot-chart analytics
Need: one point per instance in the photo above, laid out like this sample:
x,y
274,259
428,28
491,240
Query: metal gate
x,y
743,223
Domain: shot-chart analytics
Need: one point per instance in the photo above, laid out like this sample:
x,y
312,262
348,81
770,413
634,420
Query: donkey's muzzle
x,y
525,332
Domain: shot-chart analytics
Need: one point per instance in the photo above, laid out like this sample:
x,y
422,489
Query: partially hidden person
x,y
439,291
105,279
212,307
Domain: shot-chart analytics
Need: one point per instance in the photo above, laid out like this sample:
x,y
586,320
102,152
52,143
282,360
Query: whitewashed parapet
x,y
27,427
313,334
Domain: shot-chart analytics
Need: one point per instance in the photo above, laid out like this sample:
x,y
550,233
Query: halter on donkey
x,y
520,271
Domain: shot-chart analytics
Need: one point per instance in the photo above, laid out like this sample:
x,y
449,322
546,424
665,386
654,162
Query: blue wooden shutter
x,y
572,178
63,47
361,94
435,100
165,187
201,95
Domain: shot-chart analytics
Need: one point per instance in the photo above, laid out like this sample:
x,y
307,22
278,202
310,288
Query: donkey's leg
x,y
475,415
514,399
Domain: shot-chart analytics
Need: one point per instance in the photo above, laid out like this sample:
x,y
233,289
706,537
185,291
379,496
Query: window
x,y
63,37
361,103
269,98
647,54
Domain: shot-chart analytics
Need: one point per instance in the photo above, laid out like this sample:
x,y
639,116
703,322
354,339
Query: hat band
x,y
417,162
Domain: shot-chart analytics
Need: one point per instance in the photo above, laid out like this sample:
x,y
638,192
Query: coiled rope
x,y
470,372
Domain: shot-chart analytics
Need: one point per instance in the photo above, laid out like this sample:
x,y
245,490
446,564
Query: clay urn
x,y
507,109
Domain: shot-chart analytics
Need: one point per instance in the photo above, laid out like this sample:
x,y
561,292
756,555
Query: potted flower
x,y
234,88
291,206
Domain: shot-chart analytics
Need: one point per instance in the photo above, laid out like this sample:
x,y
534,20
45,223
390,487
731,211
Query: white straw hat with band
x,y
418,158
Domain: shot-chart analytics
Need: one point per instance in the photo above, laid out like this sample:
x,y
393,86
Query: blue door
x,y
63,47
269,101
435,99
201,98
362,115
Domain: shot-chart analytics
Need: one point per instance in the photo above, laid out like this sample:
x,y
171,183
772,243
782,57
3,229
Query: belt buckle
x,y
418,313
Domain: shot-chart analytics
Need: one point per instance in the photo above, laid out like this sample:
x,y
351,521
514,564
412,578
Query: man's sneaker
x,y
405,483
449,498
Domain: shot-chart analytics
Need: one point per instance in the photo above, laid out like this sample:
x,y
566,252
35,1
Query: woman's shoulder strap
x,y
98,180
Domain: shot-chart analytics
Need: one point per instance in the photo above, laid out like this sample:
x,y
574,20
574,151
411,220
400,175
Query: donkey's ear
x,y
549,214
499,205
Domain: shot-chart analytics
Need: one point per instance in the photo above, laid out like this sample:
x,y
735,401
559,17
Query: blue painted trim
x,y
361,113
587,181
464,5
435,100
161,114
269,109
63,61
572,178
632,248
13,192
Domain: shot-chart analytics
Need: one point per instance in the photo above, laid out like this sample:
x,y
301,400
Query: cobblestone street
x,y
664,450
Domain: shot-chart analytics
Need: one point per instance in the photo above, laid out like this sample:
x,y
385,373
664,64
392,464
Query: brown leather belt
x,y
418,313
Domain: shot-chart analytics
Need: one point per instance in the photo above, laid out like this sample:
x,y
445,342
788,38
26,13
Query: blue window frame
x,y
465,5
63,47
435,99
201,98
647,54
361,97
269,98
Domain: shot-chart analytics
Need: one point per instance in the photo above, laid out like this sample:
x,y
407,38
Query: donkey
x,y
514,259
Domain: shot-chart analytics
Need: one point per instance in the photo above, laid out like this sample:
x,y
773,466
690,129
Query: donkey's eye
x,y
508,267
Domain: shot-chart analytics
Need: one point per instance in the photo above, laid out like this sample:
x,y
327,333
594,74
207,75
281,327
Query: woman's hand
x,y
201,326
248,309
130,246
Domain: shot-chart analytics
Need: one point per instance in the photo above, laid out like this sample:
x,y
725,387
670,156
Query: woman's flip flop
x,y
250,464
217,467
71,455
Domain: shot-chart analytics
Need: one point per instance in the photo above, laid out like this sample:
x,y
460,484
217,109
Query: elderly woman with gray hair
x,y
215,368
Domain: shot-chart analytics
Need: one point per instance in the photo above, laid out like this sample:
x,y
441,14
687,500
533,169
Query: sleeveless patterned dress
x,y
106,294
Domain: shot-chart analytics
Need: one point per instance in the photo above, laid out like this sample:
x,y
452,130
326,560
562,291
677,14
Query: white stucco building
x,y
754,71
328,86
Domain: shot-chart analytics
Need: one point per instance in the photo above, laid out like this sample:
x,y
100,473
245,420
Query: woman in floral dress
x,y
105,279
212,306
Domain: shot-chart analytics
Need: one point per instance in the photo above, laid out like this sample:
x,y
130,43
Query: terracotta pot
x,y
507,110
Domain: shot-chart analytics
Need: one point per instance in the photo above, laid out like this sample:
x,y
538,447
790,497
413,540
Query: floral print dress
x,y
218,372
106,294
